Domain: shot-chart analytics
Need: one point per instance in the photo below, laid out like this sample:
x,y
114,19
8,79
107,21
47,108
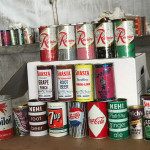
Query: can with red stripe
x,y
29,35
97,119
5,37
145,101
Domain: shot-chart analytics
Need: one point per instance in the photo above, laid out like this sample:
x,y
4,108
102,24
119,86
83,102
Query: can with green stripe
x,y
118,119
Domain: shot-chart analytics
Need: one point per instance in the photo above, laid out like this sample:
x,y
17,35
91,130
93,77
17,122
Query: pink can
x,y
104,81
85,41
5,37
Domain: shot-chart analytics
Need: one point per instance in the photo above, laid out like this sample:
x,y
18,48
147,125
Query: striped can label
x,y
118,119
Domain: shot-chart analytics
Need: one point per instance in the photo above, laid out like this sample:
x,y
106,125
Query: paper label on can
x,y
146,104
104,36
96,120
45,84
65,85
76,116
147,128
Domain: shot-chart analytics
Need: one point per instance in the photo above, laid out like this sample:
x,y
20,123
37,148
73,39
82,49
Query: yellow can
x,y
84,82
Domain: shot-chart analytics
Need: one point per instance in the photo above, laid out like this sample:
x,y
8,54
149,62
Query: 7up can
x,y
118,119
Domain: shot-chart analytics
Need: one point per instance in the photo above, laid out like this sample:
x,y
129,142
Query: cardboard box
x,y
130,76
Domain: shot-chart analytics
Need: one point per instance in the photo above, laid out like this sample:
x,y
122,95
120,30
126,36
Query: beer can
x,y
6,119
136,113
45,77
97,119
5,35
124,38
20,36
21,120
57,119
66,82
14,37
118,119
77,112
104,81
146,126
66,42
145,101
84,82
48,43
85,41
29,35
37,36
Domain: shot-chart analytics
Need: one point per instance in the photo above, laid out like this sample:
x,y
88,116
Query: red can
x,y
48,43
5,37
97,119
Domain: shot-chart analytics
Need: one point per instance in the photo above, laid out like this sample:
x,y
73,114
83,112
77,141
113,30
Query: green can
x,y
118,119
21,36
146,126
14,37
124,38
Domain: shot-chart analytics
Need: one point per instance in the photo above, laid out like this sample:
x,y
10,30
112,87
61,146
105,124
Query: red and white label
x,y
146,104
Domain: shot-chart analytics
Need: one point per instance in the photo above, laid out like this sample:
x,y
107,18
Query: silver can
x,y
29,35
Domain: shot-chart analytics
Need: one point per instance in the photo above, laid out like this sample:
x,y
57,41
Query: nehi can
x,y
118,119
136,113
66,82
57,119
29,35
84,82
146,126
14,37
97,119
145,101
5,37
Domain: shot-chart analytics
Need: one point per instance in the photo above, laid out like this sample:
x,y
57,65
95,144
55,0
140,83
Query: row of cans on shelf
x,y
76,82
102,39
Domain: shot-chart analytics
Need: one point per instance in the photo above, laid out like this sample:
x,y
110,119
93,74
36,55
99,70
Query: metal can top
x,y
65,65
104,65
21,107
33,100
83,64
5,97
60,25
119,100
145,94
44,66
136,107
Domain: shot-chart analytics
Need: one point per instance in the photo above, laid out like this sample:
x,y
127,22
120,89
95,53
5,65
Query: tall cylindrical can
x,y
146,126
77,112
48,43
124,38
14,37
21,36
29,35
85,41
84,82
5,35
97,119
37,36
104,81
145,101
6,119
136,113
45,77
57,119
104,40
66,42
66,82
118,119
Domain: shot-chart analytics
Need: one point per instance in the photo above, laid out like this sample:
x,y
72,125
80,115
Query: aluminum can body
x,y
104,81
146,126
5,37
66,42
21,36
29,35
57,119
97,119
37,36
45,77
14,37
48,44
85,41
118,119
84,82
145,101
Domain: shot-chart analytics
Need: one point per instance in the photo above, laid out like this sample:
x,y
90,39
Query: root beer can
x,y
145,101
5,37
146,126
29,35
97,119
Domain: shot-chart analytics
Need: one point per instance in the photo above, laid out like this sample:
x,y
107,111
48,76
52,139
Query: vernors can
x,y
84,82
145,101
146,126
5,35
57,119
104,81
97,119
29,35
21,120
66,82
6,119
66,42
45,77
77,112
48,43
118,119
136,113
124,38
14,37
85,41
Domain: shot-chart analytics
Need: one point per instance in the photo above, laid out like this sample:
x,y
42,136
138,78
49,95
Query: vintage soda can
x,y
21,120
14,37
45,77
48,43
66,82
104,39
145,101
29,35
85,41
66,42
5,36
146,126
118,119
97,119
136,113
0,39
57,119
124,38
84,82
104,81
6,118
77,112
37,36
21,36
